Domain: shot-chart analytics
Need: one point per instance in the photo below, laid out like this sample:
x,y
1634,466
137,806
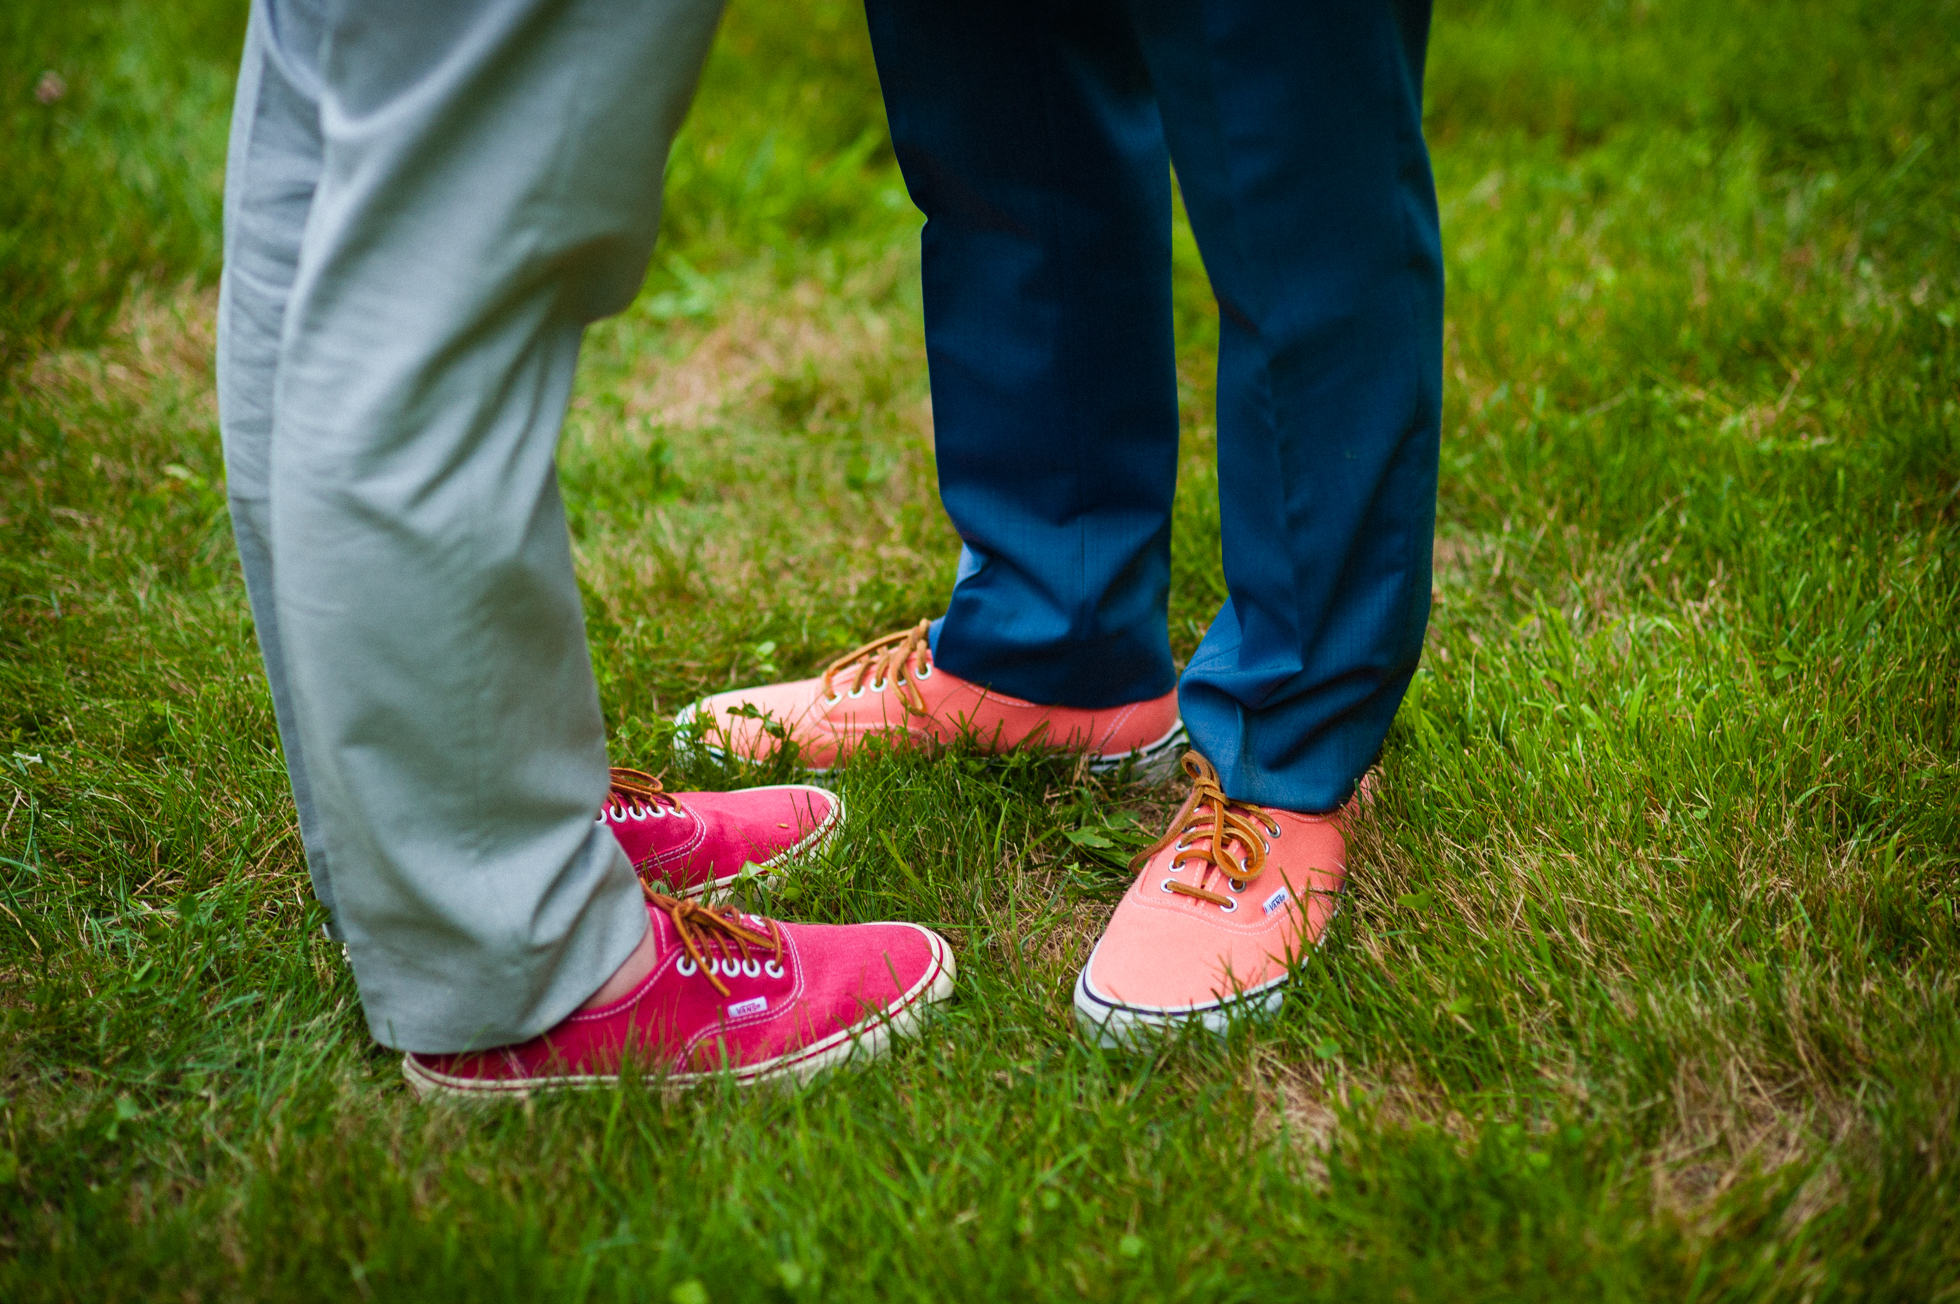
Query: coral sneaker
x,y
890,686
696,843
729,993
1222,905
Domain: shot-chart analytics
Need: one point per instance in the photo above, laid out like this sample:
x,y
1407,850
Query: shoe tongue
x,y
664,937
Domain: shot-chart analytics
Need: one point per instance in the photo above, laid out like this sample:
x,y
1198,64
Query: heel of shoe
x,y
1154,763
688,737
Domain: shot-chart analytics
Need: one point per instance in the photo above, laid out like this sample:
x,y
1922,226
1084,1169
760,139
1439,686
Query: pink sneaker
x,y
730,993
696,843
1229,898
890,686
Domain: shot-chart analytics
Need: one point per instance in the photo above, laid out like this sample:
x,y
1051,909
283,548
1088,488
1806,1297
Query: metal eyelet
x,y
856,692
878,685
923,674
1273,831
1231,908
687,968
833,700
1236,884
1166,885
771,968
751,968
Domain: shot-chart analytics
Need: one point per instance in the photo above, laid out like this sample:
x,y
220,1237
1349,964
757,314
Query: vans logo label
x,y
754,1006
1275,901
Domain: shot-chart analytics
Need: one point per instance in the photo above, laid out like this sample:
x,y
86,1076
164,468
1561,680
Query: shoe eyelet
x,y
878,685
687,968
1166,885
1182,844
1230,908
751,968
920,676
1274,830
833,700
856,692
1236,884
771,968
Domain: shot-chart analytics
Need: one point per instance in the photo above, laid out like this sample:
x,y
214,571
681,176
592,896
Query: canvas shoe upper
x,y
696,843
891,686
729,993
1229,898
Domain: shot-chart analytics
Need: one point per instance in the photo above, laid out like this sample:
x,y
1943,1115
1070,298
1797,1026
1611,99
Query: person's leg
x,y
1027,135
1296,129
272,169
1297,135
692,844
490,182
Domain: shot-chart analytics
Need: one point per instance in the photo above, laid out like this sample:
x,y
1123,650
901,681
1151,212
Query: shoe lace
x,y
702,929
897,659
636,790
1206,829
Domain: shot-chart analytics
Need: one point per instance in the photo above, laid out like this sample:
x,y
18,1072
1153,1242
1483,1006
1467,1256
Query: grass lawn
x,y
1646,983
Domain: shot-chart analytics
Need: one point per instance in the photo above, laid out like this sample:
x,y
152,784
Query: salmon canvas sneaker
x,y
731,994
891,686
1229,898
697,843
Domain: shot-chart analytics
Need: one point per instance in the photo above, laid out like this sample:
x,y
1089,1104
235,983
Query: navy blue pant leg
x,y
1029,138
1296,129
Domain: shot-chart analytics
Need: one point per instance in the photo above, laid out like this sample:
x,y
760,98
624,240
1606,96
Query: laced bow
x,y
703,928
896,659
1229,837
636,789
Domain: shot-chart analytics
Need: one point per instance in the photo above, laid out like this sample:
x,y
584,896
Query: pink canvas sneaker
x,y
729,993
696,843
1222,905
890,686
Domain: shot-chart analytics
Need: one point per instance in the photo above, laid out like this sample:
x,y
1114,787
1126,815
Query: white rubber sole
x,y
1129,1027
864,1041
1154,762
1117,1026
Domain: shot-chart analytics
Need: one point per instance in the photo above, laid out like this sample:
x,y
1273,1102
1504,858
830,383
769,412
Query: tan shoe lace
x,y
703,929
636,790
896,659
1206,829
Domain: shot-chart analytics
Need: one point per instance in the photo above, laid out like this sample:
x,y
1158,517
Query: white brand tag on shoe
x,y
753,1006
1275,901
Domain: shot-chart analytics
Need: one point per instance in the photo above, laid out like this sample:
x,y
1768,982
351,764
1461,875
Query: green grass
x,y
112,121
1646,987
